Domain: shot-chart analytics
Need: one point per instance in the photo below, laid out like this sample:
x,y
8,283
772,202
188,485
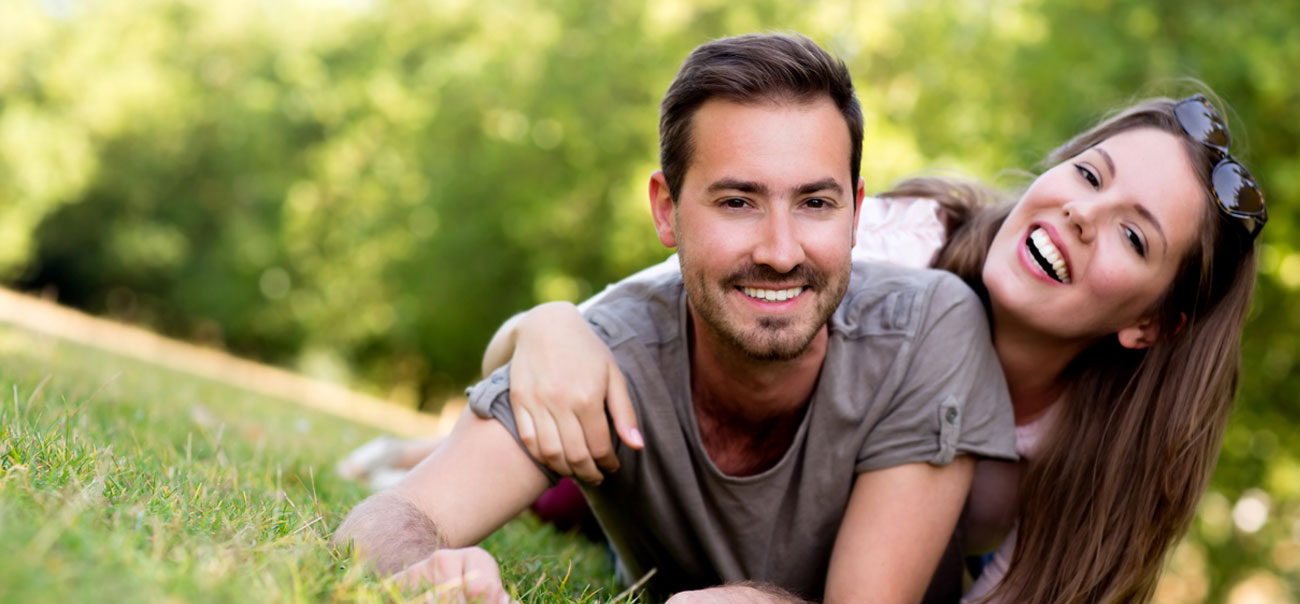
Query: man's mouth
x,y
772,295
1049,258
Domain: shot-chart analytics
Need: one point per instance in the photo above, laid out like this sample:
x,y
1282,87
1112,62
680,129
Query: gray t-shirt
x,y
909,376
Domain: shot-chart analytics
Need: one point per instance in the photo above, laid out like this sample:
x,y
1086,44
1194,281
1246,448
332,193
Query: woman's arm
x,y
562,376
563,379
502,346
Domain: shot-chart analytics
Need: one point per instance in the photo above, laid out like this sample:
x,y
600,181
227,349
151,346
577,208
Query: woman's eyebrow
x,y
1109,162
1145,213
1141,209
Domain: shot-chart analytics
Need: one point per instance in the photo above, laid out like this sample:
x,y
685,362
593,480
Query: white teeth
x,y
772,295
1045,248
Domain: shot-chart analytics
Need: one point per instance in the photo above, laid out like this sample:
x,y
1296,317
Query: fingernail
x,y
635,436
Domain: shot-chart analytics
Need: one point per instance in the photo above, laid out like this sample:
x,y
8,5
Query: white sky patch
x,y
1251,511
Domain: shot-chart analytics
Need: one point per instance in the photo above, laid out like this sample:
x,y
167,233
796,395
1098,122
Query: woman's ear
x,y
1137,337
1144,334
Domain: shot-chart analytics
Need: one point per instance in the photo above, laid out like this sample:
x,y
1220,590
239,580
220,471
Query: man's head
x,y
746,69
764,206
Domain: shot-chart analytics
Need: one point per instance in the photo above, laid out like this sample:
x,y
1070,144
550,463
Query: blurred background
x,y
362,190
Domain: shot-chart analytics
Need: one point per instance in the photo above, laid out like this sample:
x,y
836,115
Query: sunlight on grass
x,y
125,482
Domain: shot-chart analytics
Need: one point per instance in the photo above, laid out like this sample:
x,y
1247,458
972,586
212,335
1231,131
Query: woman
x,y
1116,289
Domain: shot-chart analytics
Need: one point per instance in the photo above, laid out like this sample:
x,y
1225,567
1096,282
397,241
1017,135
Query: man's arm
x,y
895,529
475,482
747,592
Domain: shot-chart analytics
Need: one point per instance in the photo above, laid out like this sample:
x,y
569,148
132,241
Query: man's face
x,y
764,224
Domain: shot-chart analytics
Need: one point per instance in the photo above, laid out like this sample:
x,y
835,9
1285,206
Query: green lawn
x,y
121,481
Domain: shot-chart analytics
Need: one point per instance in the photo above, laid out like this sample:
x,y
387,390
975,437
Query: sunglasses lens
x,y
1202,122
1236,189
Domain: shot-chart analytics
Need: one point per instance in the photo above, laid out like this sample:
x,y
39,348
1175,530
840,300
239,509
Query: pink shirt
x,y
992,503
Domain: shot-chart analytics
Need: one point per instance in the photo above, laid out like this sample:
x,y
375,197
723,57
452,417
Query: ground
x,y
124,481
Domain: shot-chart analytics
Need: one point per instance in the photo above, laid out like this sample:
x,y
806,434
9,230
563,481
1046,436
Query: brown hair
x,y
1117,480
748,69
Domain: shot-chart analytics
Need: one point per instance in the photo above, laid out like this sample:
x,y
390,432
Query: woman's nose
x,y
1080,217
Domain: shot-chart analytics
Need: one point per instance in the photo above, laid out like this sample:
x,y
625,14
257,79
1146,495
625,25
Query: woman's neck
x,y
1033,366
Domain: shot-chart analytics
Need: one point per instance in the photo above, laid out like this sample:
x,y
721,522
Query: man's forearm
x,y
747,592
389,532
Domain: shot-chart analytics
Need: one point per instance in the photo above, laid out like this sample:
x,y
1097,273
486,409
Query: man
x,y
812,444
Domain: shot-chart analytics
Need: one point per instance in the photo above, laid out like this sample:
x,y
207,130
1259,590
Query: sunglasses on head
x,y
1234,188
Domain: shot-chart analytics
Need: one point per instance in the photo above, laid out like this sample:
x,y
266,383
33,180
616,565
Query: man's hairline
x,y
772,100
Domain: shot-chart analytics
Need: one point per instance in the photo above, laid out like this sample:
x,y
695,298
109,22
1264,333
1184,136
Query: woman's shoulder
x,y
905,231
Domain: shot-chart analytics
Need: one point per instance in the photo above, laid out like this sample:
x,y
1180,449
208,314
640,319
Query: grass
x,y
125,482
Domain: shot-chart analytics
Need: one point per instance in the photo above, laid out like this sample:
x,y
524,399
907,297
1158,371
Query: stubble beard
x,y
770,339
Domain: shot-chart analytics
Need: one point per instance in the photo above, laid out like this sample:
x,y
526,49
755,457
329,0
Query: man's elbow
x,y
387,532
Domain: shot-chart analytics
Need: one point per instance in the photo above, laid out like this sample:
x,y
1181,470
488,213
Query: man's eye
x,y
816,203
1088,175
735,203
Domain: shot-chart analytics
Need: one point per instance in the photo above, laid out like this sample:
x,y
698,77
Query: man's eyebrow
x,y
749,186
825,184
735,184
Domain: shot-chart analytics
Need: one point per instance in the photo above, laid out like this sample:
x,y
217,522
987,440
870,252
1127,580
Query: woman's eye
x,y
1135,241
1088,175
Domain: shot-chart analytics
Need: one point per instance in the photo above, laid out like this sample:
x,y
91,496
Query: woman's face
x,y
1096,240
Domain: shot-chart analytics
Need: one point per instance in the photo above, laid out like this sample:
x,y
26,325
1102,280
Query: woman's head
x,y
1122,235
1140,427
1117,479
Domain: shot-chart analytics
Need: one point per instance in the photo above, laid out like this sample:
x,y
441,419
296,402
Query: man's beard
x,y
772,338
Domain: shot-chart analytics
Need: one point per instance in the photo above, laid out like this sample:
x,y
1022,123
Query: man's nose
x,y
779,246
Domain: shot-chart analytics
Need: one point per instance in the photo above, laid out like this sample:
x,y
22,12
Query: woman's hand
x,y
561,377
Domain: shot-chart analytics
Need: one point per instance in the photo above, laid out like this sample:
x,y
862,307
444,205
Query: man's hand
x,y
457,575
747,593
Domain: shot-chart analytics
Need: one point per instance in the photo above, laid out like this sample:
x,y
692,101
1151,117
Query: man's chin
x,y
768,345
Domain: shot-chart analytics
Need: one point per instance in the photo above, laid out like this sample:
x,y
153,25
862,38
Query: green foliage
x,y
366,189
122,482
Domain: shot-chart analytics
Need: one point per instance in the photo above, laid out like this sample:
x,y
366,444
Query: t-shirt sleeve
x,y
952,397
490,399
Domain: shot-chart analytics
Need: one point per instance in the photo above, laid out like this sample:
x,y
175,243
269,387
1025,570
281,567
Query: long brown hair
x,y
1118,476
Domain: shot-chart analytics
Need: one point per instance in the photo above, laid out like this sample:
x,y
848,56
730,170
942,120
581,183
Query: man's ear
x,y
858,195
662,209
1137,337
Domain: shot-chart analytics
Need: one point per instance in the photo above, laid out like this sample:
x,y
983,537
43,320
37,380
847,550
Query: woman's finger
x,y
621,410
550,444
576,453
527,431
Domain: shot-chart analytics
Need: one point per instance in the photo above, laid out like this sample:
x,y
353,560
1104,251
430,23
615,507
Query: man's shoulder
x,y
884,298
646,308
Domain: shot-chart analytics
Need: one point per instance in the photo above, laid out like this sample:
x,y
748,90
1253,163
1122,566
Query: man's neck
x,y
748,411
